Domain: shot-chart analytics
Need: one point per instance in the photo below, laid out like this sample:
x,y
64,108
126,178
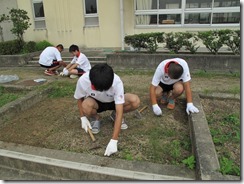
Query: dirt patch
x,y
55,124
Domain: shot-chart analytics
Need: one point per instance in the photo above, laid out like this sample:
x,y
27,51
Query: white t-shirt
x,y
82,61
161,74
48,55
114,93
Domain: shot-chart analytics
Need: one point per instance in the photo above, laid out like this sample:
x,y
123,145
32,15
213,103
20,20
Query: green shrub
x,y
190,42
10,47
29,47
232,39
42,45
212,40
174,41
148,41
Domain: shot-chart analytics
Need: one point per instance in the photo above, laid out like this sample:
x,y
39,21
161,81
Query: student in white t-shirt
x,y
79,64
170,79
51,59
100,90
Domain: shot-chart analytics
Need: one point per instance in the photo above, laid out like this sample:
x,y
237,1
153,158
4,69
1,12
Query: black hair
x,y
175,70
60,46
73,48
101,76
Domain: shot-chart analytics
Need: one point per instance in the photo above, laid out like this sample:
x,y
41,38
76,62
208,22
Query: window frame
x,y
38,19
183,10
90,15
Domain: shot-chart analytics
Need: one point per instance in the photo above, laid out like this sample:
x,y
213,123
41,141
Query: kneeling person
x,y
100,90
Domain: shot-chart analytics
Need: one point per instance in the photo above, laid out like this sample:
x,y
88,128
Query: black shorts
x,y
166,87
80,71
105,106
55,63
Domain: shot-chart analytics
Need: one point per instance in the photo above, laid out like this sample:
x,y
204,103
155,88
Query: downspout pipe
x,y
122,24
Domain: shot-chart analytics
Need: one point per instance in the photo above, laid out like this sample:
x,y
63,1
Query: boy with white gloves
x,y
79,64
171,75
100,90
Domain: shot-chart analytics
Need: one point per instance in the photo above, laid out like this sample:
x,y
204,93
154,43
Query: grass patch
x,y
6,96
62,89
205,74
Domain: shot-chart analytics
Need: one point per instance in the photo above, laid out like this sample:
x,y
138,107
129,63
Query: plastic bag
x,y
8,78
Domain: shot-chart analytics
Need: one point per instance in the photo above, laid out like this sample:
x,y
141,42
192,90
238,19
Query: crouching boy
x,y
100,90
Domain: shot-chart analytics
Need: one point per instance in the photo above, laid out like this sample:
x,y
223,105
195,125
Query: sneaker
x,y
95,126
171,104
123,125
164,99
72,76
50,73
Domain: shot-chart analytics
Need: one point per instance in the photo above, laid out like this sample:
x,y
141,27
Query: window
x,y
157,13
91,15
39,15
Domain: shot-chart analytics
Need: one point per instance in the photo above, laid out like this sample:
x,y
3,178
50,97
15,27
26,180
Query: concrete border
x,y
207,163
196,62
62,165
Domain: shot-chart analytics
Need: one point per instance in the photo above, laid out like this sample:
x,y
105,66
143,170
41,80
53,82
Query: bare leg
x,y
178,89
89,107
132,102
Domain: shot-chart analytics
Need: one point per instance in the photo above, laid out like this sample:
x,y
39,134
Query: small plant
x,y
127,155
189,162
174,41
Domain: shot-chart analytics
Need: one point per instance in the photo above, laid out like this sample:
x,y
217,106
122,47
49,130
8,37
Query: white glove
x,y
111,147
65,71
61,74
85,123
156,109
191,108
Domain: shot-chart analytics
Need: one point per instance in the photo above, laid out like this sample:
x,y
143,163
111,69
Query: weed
x,y
189,162
127,155
227,166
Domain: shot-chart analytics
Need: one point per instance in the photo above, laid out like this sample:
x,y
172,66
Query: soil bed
x,y
54,123
223,117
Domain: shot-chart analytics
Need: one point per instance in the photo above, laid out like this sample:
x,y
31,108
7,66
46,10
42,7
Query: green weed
x,y
127,155
227,166
189,162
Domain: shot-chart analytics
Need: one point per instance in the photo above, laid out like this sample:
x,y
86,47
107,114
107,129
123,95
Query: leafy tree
x,y
20,21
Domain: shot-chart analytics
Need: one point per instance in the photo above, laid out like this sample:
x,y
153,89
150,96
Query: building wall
x,y
5,6
65,23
